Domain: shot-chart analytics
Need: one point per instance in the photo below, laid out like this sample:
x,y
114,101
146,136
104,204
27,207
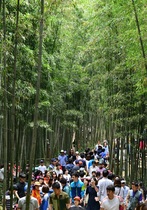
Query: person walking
x,y
20,192
45,199
102,185
62,158
76,205
111,201
36,192
59,200
119,190
76,188
126,190
42,167
134,197
91,191
33,205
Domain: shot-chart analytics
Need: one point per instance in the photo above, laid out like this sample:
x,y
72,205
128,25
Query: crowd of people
x,y
77,181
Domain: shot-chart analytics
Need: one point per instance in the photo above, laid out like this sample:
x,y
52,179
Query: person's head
x,y
37,185
94,181
45,189
54,174
54,161
117,182
62,152
63,181
56,188
111,176
41,162
75,176
47,174
135,186
140,185
105,173
82,155
98,174
93,173
101,163
60,176
86,181
58,166
123,182
32,181
105,142
110,191
66,172
22,177
77,162
41,180
76,200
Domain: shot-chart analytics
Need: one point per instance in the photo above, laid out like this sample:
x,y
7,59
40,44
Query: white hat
x,y
62,151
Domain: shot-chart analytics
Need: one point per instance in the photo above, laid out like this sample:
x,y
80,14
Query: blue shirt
x,y
62,159
77,189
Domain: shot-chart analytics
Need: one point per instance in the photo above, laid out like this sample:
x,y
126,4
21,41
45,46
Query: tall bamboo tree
x,y
36,110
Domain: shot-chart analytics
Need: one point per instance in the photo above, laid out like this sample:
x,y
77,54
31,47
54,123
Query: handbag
x,y
86,199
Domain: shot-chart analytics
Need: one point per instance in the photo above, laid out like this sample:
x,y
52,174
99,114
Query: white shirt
x,y
92,169
58,171
112,204
2,174
42,168
119,191
102,184
67,177
126,190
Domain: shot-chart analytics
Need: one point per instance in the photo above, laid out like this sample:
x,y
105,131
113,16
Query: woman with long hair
x,y
91,191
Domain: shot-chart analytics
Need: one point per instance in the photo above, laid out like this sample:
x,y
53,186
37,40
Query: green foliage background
x,y
94,77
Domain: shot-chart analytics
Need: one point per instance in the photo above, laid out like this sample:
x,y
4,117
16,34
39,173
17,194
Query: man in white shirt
x,y
42,167
103,184
111,201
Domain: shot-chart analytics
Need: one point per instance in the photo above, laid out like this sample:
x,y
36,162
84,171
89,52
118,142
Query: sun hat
x,y
37,184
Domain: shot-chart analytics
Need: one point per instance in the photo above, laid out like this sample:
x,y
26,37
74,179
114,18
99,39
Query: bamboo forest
x,y
72,73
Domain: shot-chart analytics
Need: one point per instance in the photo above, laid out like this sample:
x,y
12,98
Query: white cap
x,y
123,181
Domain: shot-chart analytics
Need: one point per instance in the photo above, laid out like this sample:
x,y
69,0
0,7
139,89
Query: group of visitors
x,y
77,181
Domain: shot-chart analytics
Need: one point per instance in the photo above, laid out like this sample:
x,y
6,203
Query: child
x,y
76,205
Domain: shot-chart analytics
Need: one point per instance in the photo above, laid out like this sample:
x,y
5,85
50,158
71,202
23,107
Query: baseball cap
x,y
77,198
53,159
22,175
123,181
